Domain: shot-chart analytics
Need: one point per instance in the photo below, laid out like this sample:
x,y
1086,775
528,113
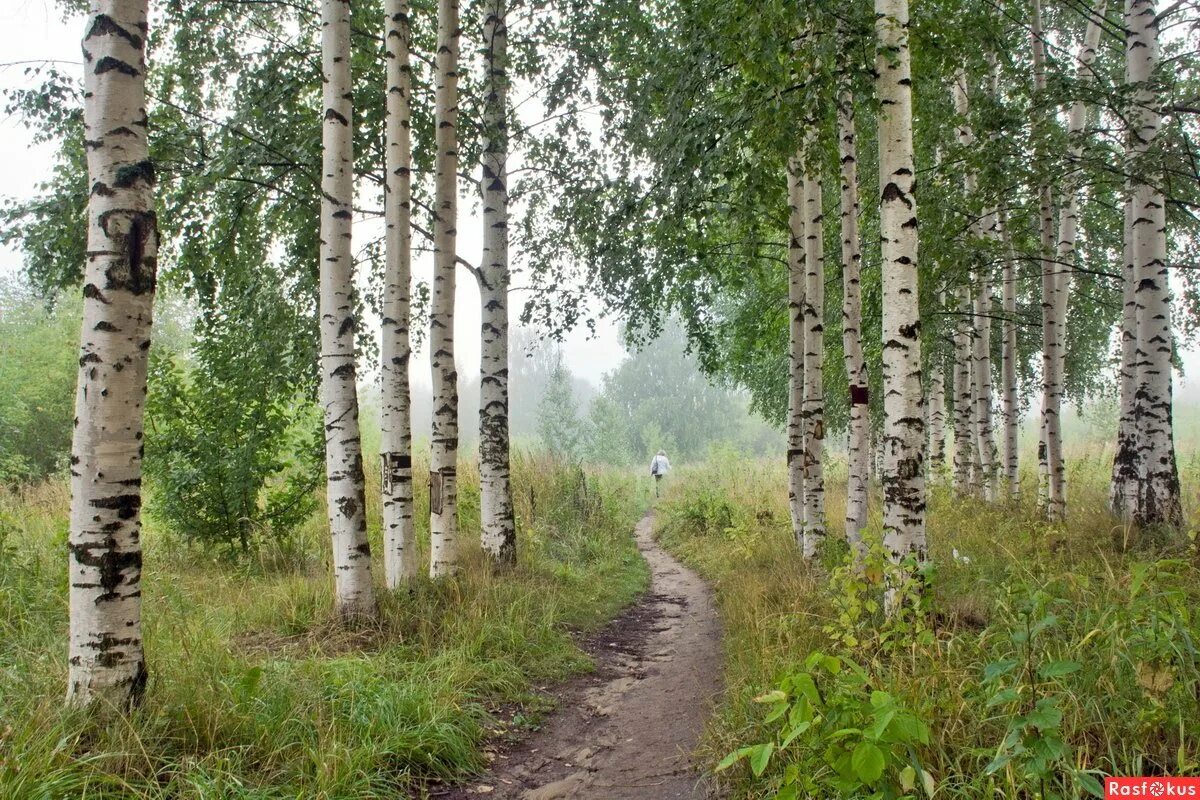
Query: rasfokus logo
x,y
1151,787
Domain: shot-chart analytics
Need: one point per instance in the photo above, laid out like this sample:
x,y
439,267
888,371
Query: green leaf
x,y
1006,696
908,778
793,733
734,757
880,699
868,762
760,757
1090,784
1056,669
998,668
883,718
1045,715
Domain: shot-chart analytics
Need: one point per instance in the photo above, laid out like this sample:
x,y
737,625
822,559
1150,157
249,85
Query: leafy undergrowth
x,y
256,692
1045,657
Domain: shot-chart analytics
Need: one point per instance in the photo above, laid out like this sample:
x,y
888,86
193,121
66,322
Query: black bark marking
x,y
129,174
109,64
126,505
104,25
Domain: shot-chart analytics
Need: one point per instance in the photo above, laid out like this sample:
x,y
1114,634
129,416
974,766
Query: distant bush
x,y
39,359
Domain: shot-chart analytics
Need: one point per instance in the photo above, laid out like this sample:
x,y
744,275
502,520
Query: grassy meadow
x,y
1051,655
257,692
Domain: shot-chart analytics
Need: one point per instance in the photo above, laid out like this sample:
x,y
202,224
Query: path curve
x,y
628,731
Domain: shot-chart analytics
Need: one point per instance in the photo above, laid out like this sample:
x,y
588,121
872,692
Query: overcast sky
x,y
33,30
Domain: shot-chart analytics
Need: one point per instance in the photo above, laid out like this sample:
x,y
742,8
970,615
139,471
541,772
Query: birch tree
x,y
1055,350
858,445
1123,490
964,445
345,485
979,410
399,536
1009,412
498,527
1050,455
814,352
443,477
904,422
1158,499
796,282
106,660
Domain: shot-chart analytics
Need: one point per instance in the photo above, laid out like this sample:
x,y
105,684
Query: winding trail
x,y
627,731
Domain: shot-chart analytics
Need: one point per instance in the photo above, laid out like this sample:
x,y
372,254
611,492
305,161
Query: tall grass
x,y
1118,608
257,692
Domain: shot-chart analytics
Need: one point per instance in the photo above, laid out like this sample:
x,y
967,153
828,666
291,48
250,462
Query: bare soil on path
x,y
628,730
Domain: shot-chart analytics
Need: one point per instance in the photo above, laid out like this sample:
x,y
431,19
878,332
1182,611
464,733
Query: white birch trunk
x,y
936,411
1064,258
1009,412
1051,492
1123,492
964,442
904,419
858,444
498,531
399,534
345,485
443,477
1158,496
980,305
814,352
106,660
795,427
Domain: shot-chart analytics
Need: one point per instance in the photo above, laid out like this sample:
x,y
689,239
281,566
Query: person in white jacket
x,y
659,466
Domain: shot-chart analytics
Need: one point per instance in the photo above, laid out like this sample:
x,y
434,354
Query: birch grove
x,y
903,475
443,475
399,533
498,528
106,660
345,485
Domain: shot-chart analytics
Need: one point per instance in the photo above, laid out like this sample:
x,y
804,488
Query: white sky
x,y
33,30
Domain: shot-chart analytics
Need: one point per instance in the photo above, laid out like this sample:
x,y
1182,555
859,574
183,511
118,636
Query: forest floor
x,y
629,730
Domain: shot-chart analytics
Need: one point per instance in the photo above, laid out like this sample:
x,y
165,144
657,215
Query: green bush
x,y
233,444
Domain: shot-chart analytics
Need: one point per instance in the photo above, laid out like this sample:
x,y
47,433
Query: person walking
x,y
659,466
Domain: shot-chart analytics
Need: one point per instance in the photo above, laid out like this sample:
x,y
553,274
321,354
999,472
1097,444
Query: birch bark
x,y
858,445
399,536
795,454
498,526
1009,412
936,411
346,489
904,419
106,661
1123,491
443,477
1051,495
814,352
1064,257
1158,495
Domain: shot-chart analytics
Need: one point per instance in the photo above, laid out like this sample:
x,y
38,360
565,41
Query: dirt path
x,y
627,731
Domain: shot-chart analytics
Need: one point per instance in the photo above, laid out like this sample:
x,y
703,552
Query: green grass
x,y
1120,607
257,692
